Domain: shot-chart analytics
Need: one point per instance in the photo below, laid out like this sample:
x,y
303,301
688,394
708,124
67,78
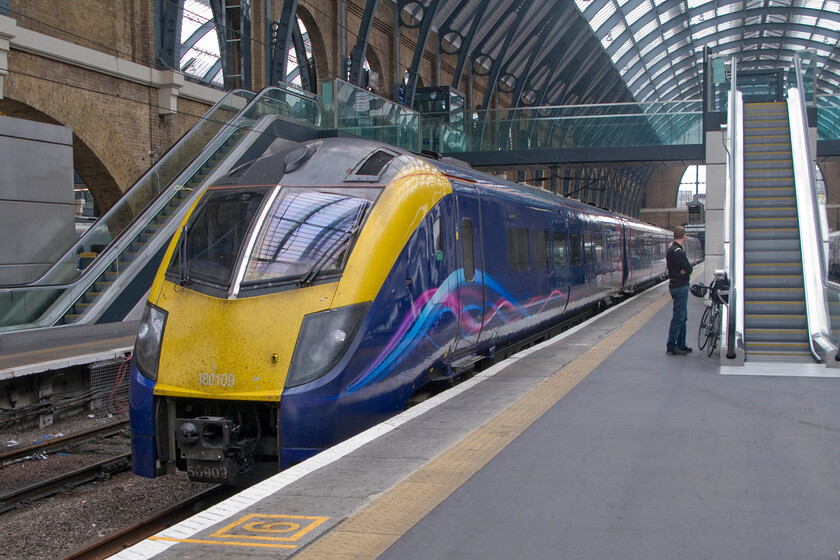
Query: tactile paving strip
x,y
369,532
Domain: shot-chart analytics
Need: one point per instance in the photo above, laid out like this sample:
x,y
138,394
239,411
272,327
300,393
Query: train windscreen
x,y
211,241
306,233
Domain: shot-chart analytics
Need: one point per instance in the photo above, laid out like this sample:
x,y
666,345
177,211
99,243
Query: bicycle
x,y
708,336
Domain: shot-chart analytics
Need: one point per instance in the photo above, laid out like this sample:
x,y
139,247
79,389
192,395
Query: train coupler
x,y
210,446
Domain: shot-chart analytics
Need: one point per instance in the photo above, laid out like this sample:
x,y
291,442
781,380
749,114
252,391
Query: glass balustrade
x,y
828,117
585,126
360,112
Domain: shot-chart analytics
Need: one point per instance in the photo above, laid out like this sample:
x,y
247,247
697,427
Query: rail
x,y
116,542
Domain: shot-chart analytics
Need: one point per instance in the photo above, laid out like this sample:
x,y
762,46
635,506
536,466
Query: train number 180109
x,y
216,379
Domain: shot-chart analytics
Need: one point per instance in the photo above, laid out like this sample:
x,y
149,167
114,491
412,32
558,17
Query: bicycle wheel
x,y
704,327
714,331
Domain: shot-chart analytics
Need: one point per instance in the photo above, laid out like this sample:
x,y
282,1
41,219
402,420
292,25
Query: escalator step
x,y
774,308
755,234
772,281
788,212
765,268
769,321
789,246
776,335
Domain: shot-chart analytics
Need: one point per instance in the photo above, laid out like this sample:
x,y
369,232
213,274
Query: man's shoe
x,y
676,352
687,350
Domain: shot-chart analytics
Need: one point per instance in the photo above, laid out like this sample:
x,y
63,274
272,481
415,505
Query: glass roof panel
x,y
602,16
622,50
652,44
670,14
637,12
204,54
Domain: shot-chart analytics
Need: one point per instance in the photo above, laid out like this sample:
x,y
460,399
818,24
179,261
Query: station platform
x,y
594,444
29,352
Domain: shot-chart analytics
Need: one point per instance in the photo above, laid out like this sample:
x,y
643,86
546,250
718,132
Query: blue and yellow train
x,y
314,292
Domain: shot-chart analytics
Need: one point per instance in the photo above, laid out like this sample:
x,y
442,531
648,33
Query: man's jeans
x,y
676,334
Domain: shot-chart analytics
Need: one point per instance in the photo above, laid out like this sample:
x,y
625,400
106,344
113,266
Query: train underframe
x,y
227,442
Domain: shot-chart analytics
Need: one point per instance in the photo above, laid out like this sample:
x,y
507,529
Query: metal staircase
x,y
775,323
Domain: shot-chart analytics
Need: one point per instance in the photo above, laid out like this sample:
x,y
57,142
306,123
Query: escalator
x,y
775,324
104,276
776,234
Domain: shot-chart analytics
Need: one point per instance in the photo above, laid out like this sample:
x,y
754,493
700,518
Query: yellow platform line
x,y
369,532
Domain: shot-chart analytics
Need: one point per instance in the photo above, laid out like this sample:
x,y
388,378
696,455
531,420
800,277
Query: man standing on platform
x,y
679,272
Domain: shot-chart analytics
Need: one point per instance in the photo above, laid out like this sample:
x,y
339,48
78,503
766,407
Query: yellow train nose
x,y
232,349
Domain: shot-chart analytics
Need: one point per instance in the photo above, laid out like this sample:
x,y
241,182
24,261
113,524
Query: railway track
x,y
120,540
65,482
63,443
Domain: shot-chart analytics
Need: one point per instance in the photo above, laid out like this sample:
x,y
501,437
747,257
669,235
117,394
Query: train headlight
x,y
147,345
323,340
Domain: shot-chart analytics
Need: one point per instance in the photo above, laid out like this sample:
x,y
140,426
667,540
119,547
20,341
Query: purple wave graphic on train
x,y
445,299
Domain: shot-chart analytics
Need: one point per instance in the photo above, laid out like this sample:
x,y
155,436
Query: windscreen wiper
x,y
316,267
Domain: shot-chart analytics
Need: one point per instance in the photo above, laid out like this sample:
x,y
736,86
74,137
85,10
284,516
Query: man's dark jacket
x,y
679,269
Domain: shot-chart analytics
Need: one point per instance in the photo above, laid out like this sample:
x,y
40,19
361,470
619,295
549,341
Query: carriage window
x,y
599,247
542,250
518,254
469,251
438,239
574,249
559,249
587,248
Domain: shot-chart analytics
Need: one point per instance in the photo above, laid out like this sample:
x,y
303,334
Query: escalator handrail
x,y
814,266
71,252
733,217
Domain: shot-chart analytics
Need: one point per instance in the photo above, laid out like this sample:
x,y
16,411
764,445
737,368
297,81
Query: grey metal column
x,y
282,40
168,15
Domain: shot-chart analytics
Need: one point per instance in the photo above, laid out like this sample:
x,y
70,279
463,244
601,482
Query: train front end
x,y
266,288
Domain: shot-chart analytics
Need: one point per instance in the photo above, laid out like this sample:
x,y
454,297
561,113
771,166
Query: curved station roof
x,y
561,52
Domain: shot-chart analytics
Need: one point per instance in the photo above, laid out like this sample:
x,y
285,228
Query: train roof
x,y
360,162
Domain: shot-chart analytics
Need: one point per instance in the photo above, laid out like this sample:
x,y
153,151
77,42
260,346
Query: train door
x,y
470,254
626,258
560,259
577,269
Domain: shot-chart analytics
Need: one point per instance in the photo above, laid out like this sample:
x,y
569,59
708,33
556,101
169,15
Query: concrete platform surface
x,y
592,445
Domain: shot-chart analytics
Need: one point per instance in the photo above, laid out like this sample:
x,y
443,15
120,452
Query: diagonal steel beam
x,y
425,28
496,68
464,51
359,51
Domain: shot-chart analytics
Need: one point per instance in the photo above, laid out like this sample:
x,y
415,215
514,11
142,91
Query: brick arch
x,y
316,38
99,156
